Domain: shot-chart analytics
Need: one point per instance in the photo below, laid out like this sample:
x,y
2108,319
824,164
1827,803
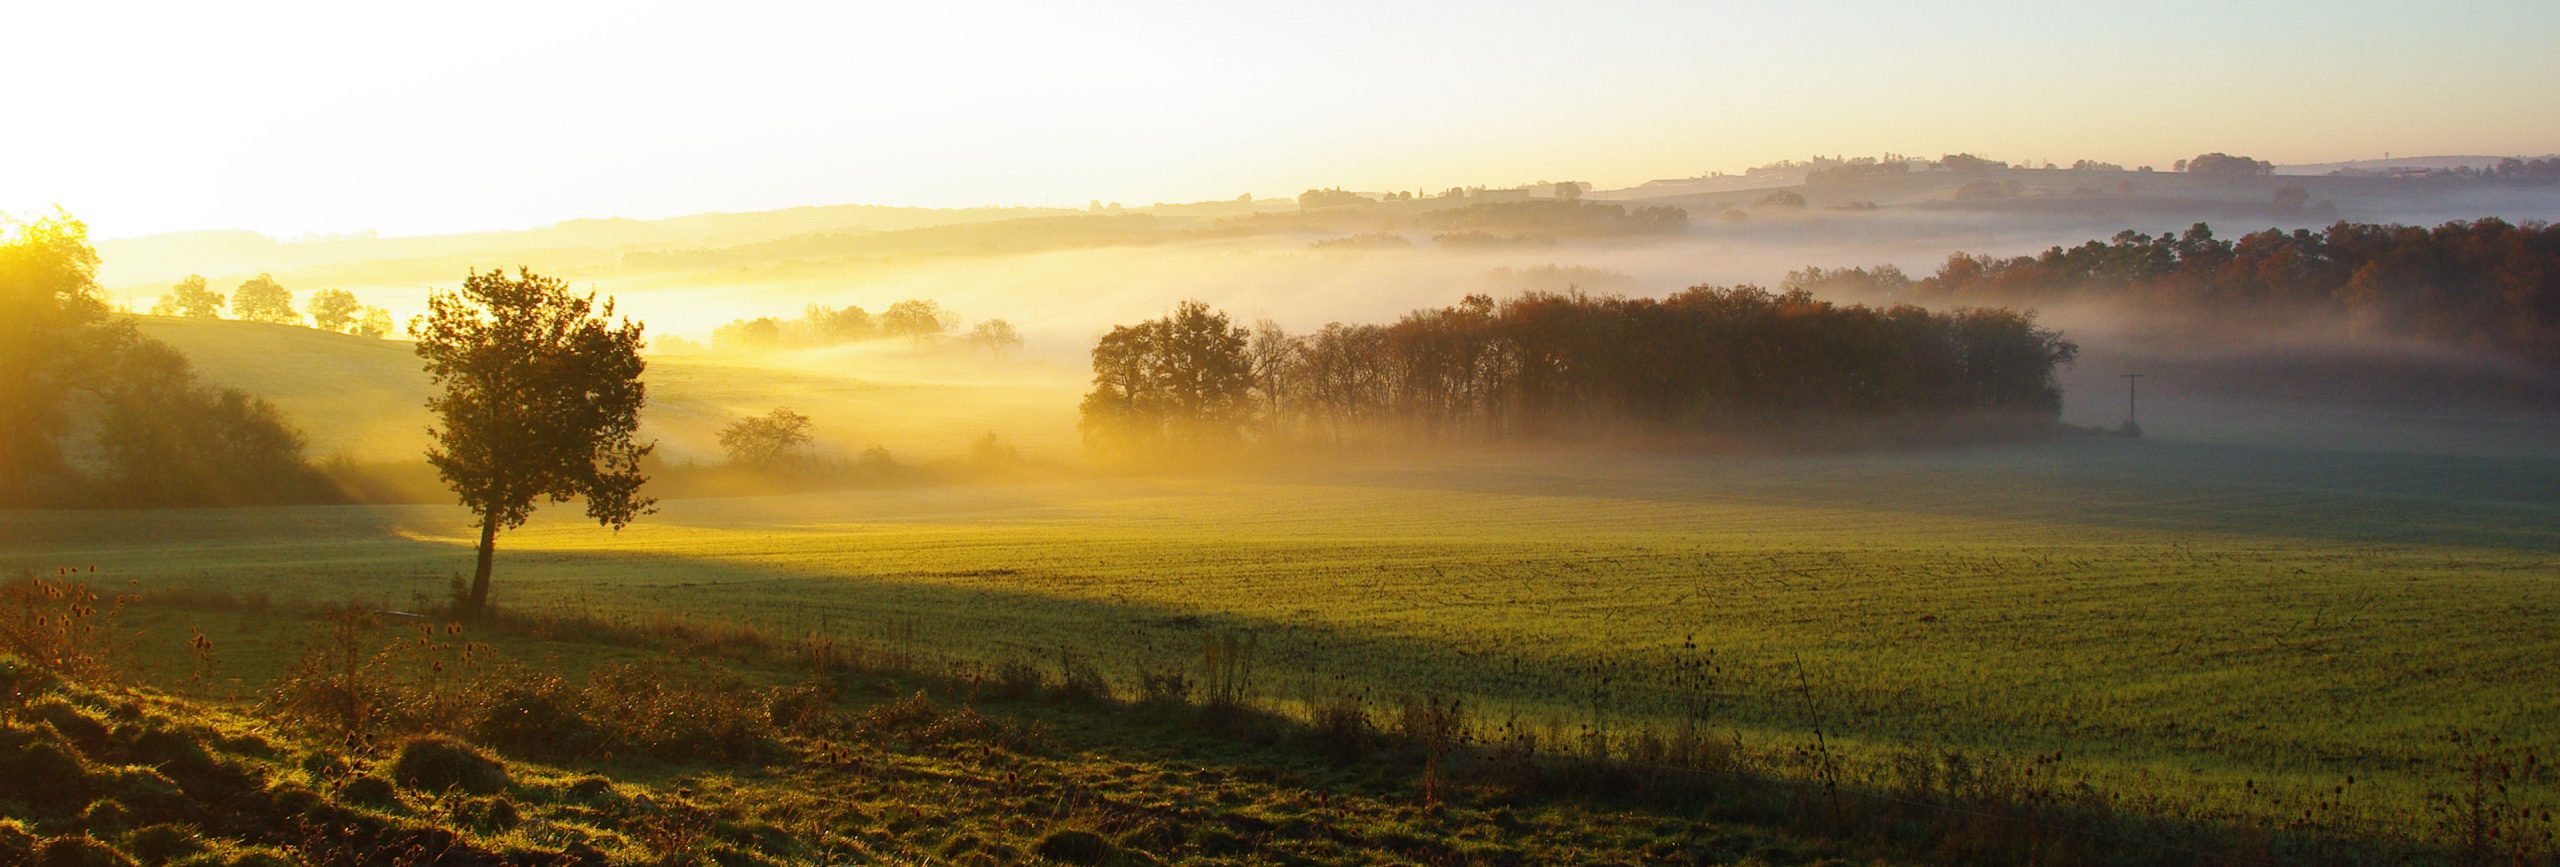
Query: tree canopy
x,y
1181,381
538,397
1541,363
768,441
191,299
262,299
161,438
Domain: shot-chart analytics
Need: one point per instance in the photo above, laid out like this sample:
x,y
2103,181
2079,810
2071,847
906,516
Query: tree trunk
x,y
477,603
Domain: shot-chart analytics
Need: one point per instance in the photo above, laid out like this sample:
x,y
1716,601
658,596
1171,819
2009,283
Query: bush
x,y
433,763
681,714
1342,727
1164,689
537,716
1079,681
1018,678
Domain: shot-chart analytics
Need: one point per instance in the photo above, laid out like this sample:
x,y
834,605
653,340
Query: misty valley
x,y
1847,510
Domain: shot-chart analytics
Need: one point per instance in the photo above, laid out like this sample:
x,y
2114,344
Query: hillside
x,y
366,398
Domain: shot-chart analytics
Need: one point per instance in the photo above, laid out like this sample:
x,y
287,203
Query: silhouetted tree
x,y
1182,380
915,319
168,441
262,299
333,309
2227,166
1702,359
190,298
373,322
538,396
54,329
768,441
996,336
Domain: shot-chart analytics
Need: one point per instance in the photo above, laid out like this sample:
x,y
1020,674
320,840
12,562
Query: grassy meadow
x,y
2221,628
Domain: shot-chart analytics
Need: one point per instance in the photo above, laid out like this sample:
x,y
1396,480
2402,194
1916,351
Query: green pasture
x,y
2193,622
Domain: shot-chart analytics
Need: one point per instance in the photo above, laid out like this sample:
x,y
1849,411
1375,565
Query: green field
x,y
2199,622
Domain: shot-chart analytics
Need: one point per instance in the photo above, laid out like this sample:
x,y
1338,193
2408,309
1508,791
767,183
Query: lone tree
x,y
915,319
768,441
996,336
539,396
190,298
262,299
334,309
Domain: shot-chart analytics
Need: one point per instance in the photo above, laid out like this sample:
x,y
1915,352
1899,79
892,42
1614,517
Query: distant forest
x,y
2485,284
1705,360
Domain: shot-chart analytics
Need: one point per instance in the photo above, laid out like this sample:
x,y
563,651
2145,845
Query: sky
x,y
413,118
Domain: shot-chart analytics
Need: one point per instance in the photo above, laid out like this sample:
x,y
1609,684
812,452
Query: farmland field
x,y
2200,622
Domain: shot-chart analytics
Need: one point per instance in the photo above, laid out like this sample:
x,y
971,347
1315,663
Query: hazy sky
x,y
429,117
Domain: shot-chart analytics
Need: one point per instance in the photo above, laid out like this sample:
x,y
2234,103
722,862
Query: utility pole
x,y
2132,405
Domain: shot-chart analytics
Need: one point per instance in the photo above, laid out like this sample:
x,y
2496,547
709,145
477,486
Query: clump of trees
x,y
2485,284
1180,380
818,325
2222,165
916,320
160,437
262,299
1707,359
1332,197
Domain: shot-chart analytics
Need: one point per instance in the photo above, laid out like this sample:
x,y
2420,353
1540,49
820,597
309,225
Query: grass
x,y
2206,628
849,766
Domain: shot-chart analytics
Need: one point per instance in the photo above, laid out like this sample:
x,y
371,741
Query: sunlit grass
x,y
2177,619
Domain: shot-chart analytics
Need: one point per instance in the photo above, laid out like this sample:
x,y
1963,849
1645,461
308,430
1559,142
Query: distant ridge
x,y
2385,165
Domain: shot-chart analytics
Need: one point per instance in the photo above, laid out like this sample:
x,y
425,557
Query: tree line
x,y
262,299
2484,284
916,320
1707,359
94,414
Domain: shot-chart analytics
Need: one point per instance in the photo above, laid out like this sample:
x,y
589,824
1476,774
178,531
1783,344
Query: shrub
x,y
58,624
1018,678
538,716
434,763
674,713
806,709
1164,689
1342,727
1079,681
